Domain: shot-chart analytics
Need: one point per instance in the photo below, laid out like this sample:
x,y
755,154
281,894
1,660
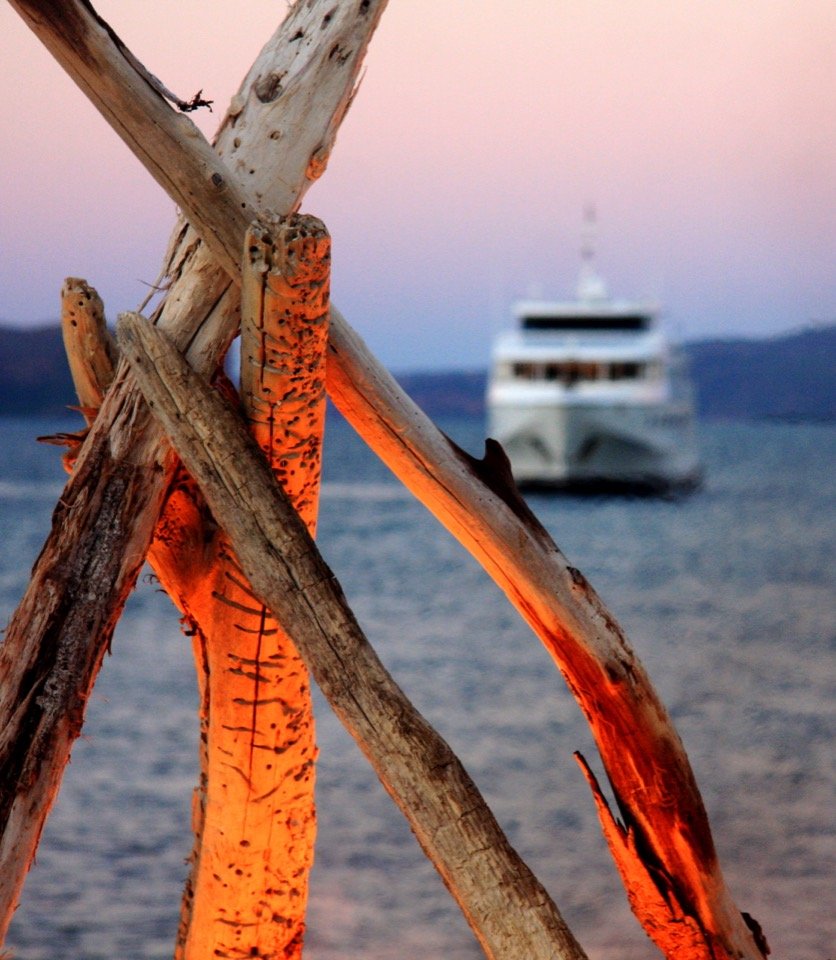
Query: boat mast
x,y
590,287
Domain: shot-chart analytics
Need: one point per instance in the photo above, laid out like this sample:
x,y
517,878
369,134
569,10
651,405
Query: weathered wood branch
x,y
642,754
508,910
90,349
91,355
254,812
644,758
284,338
286,114
663,917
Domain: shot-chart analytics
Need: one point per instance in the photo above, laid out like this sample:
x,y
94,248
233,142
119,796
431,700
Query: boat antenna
x,y
590,222
590,285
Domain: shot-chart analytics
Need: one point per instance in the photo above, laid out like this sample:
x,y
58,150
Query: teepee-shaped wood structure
x,y
220,495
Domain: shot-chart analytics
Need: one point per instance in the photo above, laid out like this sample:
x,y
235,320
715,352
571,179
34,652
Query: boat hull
x,y
591,447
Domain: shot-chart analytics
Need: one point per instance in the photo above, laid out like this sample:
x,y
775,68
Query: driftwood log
x,y
254,814
664,819
283,121
185,535
507,908
90,349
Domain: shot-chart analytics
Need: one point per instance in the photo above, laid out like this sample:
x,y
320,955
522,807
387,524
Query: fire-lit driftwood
x,y
299,88
254,820
190,554
254,810
509,911
657,796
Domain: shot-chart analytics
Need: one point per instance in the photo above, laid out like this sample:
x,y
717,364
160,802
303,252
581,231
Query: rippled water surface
x,y
728,597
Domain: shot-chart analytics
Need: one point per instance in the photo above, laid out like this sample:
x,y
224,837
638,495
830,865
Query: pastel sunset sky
x,y
704,131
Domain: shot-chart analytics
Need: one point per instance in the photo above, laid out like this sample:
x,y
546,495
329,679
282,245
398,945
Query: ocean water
x,y
728,597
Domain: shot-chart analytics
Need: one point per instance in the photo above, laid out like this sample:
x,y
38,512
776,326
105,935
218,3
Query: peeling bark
x,y
507,908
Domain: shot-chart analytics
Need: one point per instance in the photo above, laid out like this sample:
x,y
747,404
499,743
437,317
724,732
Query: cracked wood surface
x,y
253,810
104,522
509,911
254,814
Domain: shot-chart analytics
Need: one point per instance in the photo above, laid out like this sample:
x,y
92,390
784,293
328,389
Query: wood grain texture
x,y
255,822
641,751
507,908
107,514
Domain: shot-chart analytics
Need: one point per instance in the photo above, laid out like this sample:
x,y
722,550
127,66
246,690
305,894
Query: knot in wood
x,y
269,87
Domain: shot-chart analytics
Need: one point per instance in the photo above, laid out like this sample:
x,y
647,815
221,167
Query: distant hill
x,y
791,377
34,377
448,392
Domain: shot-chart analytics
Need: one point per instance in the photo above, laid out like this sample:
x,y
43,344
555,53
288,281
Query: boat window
x,y
567,372
570,372
626,371
526,371
627,322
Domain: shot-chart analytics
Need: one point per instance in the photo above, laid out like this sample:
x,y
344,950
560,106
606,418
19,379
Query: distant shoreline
x,y
789,379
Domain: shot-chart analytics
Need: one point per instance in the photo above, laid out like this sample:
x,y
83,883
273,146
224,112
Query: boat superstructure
x,y
588,393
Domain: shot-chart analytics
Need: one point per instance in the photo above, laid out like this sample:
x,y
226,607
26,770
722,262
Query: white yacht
x,y
588,394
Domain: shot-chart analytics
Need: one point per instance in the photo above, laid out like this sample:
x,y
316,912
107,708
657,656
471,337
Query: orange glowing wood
x,y
105,520
642,753
255,820
254,815
665,920
644,758
510,912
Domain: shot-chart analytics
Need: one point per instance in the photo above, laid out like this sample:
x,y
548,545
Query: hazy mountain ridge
x,y
34,376
792,377
789,377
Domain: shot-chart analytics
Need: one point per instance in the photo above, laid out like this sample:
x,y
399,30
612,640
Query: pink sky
x,y
703,132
